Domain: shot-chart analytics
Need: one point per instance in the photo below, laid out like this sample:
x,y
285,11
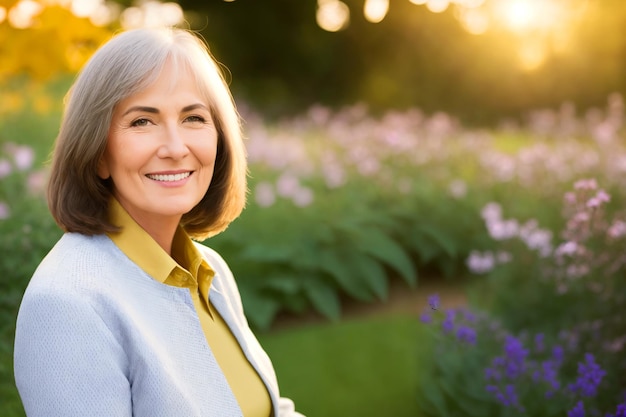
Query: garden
x,y
440,239
526,219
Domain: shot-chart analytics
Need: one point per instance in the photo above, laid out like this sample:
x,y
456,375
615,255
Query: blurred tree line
x,y
282,62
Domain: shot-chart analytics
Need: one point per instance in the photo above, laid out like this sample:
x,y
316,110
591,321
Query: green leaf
x,y
346,271
268,253
285,284
440,237
372,273
380,246
323,297
423,246
260,310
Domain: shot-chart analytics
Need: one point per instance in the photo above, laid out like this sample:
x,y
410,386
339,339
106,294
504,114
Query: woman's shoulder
x,y
76,261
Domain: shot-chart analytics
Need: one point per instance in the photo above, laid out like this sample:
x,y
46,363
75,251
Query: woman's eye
x,y
140,122
198,119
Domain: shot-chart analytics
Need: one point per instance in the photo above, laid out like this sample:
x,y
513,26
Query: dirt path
x,y
402,299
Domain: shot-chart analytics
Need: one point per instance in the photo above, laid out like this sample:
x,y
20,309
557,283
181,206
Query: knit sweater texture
x,y
97,336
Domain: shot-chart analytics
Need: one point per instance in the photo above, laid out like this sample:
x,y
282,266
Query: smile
x,y
169,177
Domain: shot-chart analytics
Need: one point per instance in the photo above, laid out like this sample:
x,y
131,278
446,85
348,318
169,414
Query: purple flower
x,y
577,411
620,412
426,318
589,377
448,323
557,355
433,301
507,397
515,354
511,364
492,374
539,342
469,316
549,373
466,334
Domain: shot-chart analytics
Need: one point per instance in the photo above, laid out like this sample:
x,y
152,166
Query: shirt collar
x,y
143,250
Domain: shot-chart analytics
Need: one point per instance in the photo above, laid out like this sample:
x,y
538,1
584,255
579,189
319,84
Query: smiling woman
x,y
149,155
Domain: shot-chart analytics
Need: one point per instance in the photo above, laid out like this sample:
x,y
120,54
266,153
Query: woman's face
x,y
161,149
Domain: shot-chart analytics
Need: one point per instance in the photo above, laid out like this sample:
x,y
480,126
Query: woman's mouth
x,y
169,177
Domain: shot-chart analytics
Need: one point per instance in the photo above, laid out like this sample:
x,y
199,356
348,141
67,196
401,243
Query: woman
x,y
127,316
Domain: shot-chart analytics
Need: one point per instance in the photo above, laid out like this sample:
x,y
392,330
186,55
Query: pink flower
x,y
491,211
5,213
503,229
600,198
567,248
287,185
479,263
5,168
457,188
587,184
303,197
334,174
264,194
24,157
36,182
617,229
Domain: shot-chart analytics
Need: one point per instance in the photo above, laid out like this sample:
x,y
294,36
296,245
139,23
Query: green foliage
x,y
27,233
290,258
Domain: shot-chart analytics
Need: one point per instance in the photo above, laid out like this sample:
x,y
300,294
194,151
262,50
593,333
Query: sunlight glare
x,y
332,15
419,2
532,55
375,10
523,16
169,13
131,17
437,6
3,14
22,15
152,14
474,21
519,14
85,8
66,4
105,14
470,4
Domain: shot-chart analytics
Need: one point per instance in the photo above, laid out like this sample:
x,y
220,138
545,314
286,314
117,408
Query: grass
x,y
361,367
365,367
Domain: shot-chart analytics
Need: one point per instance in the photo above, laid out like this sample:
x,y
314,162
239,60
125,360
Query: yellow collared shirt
x,y
186,268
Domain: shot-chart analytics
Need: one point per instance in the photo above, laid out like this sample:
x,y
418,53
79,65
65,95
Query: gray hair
x,y
125,65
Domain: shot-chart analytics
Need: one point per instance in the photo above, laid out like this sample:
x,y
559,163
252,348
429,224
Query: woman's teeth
x,y
169,177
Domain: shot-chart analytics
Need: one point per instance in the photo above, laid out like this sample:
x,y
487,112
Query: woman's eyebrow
x,y
194,106
144,109
154,110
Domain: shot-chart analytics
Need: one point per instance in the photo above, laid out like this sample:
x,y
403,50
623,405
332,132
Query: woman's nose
x,y
174,145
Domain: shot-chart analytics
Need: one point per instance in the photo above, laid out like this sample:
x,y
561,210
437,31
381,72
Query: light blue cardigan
x,y
97,336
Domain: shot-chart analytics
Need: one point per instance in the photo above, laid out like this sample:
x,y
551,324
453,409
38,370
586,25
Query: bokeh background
x,y
436,221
